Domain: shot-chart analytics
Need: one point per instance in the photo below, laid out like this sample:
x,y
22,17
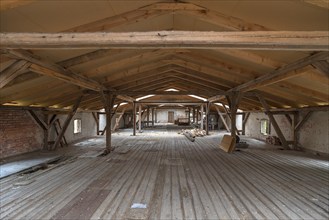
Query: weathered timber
x,y
274,123
260,40
67,122
13,71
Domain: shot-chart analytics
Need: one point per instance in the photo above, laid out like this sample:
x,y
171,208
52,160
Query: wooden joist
x,y
14,70
260,40
60,73
282,73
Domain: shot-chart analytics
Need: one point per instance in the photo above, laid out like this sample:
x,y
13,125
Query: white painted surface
x,y
313,135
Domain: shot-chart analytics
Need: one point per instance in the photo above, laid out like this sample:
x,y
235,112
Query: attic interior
x,y
179,83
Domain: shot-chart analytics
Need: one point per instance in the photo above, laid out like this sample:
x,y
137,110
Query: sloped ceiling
x,y
26,81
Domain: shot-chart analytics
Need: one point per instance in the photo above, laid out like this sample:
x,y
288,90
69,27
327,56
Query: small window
x,y
264,127
77,126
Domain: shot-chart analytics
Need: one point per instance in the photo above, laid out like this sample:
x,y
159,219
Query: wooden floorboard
x,y
175,178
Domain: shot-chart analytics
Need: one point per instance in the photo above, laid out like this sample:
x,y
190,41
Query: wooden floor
x,y
175,178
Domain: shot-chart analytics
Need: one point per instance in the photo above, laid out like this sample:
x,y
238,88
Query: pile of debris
x,y
273,140
192,133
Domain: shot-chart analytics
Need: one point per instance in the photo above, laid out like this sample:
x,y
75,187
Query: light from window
x,y
264,127
77,126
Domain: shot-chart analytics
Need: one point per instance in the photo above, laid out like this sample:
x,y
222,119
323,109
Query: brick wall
x,y
19,133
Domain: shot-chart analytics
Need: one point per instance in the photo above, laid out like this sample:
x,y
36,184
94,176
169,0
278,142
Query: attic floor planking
x,y
175,178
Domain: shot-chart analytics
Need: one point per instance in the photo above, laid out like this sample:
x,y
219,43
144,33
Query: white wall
x,y
313,135
162,114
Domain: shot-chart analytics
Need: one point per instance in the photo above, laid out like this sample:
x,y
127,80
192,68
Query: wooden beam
x,y
223,119
13,71
260,40
157,92
288,110
274,123
233,100
55,70
108,101
289,119
10,4
60,73
244,122
67,122
140,118
134,119
304,119
281,73
43,125
322,67
318,3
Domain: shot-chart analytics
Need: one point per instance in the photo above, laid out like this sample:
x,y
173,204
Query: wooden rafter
x,y
158,9
16,69
260,40
10,4
319,3
322,66
281,73
58,72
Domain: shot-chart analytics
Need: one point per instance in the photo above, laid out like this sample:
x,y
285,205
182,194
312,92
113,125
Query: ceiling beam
x,y
58,72
319,3
322,67
259,40
10,73
165,8
10,4
282,73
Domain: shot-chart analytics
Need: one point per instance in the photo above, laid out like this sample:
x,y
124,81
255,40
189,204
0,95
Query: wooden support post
x,y
193,114
67,122
155,115
108,101
288,118
140,118
274,123
244,122
98,131
234,99
134,118
152,117
201,126
301,123
197,115
189,115
223,119
43,124
207,117
229,114
95,116
148,116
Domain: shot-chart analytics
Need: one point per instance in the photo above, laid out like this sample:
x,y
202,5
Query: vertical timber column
x,y
152,117
233,100
207,118
197,115
134,118
148,115
193,114
155,115
140,118
202,117
189,115
108,104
